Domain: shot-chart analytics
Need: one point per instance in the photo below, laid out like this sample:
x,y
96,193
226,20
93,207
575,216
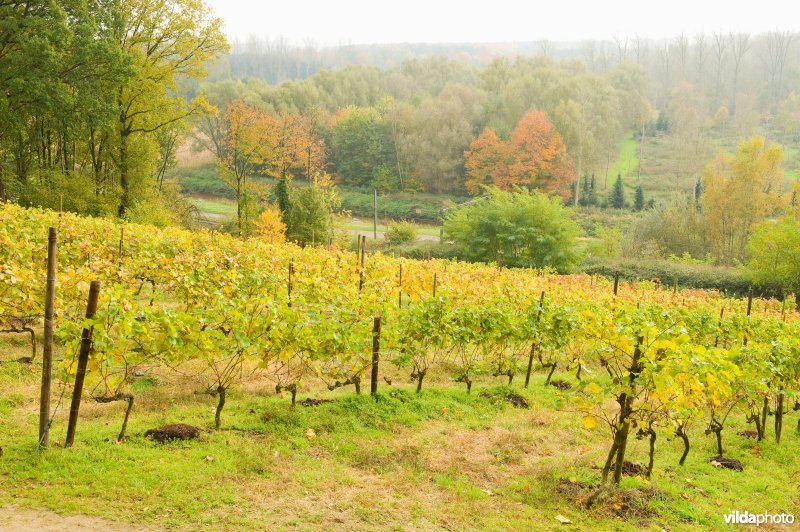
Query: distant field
x,y
227,208
214,205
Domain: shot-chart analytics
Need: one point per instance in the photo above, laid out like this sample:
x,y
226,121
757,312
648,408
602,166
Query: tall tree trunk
x,y
124,203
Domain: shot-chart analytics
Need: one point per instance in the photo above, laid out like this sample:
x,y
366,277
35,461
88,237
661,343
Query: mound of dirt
x,y
727,463
628,504
749,434
561,385
178,431
629,469
517,401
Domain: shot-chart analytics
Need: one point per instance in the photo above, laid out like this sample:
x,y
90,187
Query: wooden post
x,y
363,239
289,282
376,349
400,286
616,282
363,248
783,307
83,359
719,324
434,284
121,240
749,300
375,217
47,357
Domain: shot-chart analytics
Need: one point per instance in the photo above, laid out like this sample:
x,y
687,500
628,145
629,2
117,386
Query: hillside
x,y
258,345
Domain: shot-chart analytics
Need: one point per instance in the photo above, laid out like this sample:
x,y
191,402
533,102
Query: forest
x,y
103,101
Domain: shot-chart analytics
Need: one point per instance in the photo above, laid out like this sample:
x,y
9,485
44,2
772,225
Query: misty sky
x,y
357,22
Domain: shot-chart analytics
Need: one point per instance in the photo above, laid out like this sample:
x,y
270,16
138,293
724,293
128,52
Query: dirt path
x,y
15,519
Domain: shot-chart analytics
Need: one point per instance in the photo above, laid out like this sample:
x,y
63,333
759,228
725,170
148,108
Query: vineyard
x,y
621,362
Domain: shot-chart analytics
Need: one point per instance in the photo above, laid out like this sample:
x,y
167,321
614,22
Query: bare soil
x,y
15,519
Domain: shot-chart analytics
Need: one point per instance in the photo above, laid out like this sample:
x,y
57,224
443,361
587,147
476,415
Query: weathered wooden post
x,y
83,360
376,348
47,357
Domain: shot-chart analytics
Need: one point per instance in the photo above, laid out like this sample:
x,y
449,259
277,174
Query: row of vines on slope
x,y
646,361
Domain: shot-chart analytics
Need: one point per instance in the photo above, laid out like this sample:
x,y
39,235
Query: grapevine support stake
x,y
434,284
121,241
719,325
376,349
363,239
400,288
616,282
47,356
83,359
289,282
749,307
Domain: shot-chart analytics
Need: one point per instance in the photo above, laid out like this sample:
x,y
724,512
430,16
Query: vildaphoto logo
x,y
746,518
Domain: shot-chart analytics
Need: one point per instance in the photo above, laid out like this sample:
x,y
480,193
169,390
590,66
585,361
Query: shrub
x,y
401,232
520,228
163,208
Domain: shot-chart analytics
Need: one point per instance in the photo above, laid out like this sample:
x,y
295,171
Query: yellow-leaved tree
x,y
738,193
166,42
270,227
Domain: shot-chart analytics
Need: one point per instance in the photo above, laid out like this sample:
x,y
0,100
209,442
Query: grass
x,y
628,161
214,205
440,459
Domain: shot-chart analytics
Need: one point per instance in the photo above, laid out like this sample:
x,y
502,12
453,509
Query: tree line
x,y
92,104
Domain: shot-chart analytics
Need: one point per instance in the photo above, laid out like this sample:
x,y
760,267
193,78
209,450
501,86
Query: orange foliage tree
x,y
260,143
534,155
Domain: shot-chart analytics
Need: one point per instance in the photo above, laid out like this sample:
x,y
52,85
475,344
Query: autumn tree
x,y
534,155
165,42
260,143
486,161
738,193
249,144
